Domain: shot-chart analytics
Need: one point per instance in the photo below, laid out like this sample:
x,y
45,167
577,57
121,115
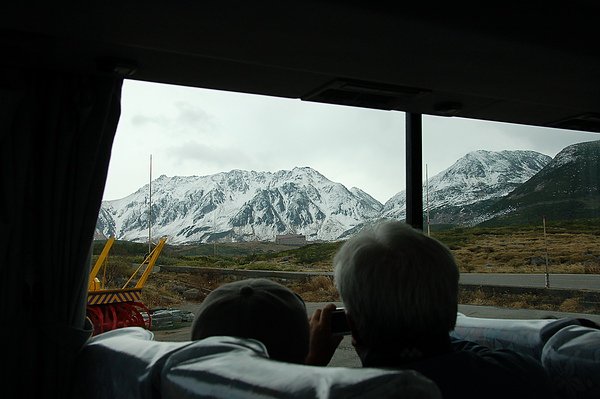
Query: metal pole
x,y
546,245
215,232
150,209
414,171
427,198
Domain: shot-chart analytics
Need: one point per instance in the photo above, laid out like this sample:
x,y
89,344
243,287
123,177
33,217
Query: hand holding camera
x,y
339,322
324,340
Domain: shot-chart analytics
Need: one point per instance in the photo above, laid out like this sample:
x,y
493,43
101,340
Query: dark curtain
x,y
57,131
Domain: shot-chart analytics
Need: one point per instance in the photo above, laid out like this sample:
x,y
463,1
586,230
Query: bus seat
x,y
121,363
572,359
128,363
227,367
567,348
527,336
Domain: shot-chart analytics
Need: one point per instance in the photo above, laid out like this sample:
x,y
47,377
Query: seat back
x,y
122,363
128,363
567,348
523,336
226,367
572,359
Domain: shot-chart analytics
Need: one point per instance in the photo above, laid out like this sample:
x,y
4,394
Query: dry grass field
x,y
167,290
524,250
567,247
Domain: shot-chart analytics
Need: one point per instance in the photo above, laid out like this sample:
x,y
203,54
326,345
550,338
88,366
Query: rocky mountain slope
x,y
248,205
567,188
240,205
473,180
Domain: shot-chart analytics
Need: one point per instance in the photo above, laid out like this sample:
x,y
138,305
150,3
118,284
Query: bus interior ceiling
x,y
531,63
527,63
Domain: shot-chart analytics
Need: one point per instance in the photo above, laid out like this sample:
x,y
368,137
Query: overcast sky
x,y
200,132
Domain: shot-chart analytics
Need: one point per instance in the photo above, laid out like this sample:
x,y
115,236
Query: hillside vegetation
x,y
572,247
248,255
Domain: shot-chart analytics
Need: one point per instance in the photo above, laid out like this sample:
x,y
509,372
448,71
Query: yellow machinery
x,y
109,309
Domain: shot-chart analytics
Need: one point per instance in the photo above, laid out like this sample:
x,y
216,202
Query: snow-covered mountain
x,y
566,188
239,205
475,178
248,205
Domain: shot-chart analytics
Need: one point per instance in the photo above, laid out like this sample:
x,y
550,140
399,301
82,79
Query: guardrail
x,y
587,297
247,273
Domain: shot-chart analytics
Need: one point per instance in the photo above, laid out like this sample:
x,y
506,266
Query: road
x,y
565,281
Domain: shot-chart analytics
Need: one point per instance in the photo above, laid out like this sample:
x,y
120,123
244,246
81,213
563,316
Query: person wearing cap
x,y
267,311
400,291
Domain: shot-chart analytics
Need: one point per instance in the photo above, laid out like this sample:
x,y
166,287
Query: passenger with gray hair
x,y
400,291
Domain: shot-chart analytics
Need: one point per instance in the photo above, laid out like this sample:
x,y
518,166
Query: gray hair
x,y
397,283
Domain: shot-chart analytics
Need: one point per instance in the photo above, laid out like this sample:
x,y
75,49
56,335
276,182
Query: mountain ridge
x,y
567,187
244,205
240,205
478,176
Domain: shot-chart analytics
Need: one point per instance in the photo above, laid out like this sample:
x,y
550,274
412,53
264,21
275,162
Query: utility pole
x,y
546,245
215,232
427,198
150,209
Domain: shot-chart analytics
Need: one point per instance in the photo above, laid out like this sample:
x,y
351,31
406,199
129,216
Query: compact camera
x,y
339,322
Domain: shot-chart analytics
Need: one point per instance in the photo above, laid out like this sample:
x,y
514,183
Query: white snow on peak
x,y
250,205
239,205
477,176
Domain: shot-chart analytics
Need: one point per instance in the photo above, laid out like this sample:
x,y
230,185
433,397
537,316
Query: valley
x,y
572,247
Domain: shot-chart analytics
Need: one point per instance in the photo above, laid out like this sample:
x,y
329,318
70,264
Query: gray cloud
x,y
142,120
206,155
188,118
197,131
191,115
